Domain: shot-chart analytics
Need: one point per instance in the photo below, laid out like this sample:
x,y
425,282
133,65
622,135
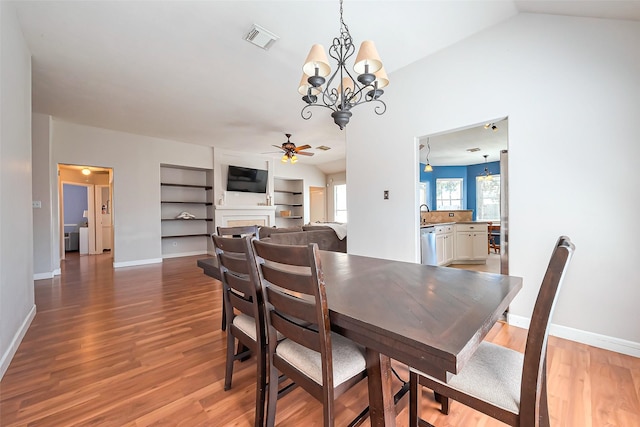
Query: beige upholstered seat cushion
x,y
348,359
493,374
248,325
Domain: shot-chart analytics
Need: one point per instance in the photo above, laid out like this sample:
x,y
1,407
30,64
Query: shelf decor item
x,y
285,213
185,215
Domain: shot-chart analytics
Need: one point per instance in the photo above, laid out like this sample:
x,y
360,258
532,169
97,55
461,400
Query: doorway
x,y
94,225
317,204
471,153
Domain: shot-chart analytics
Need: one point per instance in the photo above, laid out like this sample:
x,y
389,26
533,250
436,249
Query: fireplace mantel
x,y
228,215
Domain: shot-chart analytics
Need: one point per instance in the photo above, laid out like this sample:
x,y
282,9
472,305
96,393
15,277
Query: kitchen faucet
x,y
426,206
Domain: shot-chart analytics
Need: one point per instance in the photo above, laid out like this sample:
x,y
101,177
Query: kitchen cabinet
x,y
445,244
471,242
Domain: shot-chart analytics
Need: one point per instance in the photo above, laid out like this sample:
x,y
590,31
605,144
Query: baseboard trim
x,y
184,254
42,276
606,342
57,272
15,342
137,262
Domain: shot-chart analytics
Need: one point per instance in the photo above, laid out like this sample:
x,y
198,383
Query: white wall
x,y
136,161
571,90
16,236
44,264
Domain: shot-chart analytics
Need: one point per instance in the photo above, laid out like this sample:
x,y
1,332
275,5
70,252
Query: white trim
x,y
137,262
15,342
57,272
606,342
178,255
41,276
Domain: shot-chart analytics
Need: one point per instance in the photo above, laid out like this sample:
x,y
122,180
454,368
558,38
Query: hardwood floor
x,y
142,346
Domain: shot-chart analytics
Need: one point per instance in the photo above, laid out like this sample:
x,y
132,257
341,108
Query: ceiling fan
x,y
290,150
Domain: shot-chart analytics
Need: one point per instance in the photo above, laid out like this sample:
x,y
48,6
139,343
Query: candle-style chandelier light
x,y
342,92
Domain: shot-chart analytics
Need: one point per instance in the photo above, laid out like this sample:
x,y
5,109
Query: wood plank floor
x,y
142,346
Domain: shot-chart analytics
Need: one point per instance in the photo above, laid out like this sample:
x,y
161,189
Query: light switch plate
x,y
36,204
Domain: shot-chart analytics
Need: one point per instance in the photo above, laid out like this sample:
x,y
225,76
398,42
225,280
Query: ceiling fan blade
x,y
280,148
304,153
302,147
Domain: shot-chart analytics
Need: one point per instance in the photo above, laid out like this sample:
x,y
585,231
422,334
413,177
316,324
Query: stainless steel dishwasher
x,y
428,254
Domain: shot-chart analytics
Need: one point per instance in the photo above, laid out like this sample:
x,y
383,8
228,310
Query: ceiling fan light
x,y
317,58
367,55
284,159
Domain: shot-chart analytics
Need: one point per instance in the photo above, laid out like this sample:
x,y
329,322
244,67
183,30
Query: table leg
x,y
381,404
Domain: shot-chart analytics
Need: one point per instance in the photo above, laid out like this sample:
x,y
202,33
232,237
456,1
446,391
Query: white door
x,y
317,204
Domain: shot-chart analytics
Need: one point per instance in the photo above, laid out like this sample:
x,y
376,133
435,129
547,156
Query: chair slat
x,y
239,283
292,306
289,280
293,331
234,262
285,254
242,304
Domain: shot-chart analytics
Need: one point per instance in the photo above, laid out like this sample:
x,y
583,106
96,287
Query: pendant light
x,y
428,167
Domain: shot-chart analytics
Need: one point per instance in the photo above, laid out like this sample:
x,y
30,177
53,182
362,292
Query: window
x,y
423,197
448,194
340,203
488,198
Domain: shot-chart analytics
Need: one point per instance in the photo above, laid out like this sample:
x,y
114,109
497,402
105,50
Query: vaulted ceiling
x,y
182,70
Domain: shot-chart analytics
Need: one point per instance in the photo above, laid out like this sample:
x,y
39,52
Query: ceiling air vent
x,y
261,37
323,148
473,150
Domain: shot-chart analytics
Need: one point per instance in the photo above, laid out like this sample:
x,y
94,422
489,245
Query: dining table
x,y
428,317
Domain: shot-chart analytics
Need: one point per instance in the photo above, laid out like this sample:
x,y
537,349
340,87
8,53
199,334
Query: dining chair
x,y
238,231
324,363
503,383
493,231
235,231
244,309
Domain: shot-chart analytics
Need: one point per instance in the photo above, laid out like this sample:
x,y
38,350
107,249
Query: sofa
x,y
326,238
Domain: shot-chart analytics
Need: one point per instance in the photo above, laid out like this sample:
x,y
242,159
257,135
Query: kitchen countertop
x,y
433,224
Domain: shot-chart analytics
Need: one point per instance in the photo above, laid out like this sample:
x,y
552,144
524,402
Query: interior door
x,y
317,204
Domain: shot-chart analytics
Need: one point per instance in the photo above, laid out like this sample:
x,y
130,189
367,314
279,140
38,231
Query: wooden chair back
x,y
240,281
242,296
238,231
533,393
297,307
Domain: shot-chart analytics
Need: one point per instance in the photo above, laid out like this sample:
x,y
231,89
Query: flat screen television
x,y
247,180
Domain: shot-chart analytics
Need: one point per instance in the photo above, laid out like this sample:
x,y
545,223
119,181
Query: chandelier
x,y
342,92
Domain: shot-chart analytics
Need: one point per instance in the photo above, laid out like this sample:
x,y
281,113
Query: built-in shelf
x,y
186,190
186,235
288,196
187,203
182,219
168,184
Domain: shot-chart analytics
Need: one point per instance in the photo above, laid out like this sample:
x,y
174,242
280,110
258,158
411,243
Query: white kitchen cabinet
x,y
471,243
444,244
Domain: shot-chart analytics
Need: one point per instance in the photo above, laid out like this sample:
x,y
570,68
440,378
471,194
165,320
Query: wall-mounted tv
x,y
246,179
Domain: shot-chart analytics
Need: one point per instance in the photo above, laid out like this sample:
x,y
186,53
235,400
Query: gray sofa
x,y
324,236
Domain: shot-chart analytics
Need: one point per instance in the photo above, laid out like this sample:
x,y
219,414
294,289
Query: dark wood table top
x,y
431,318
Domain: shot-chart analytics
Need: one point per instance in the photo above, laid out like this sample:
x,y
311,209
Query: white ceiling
x,y
181,70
